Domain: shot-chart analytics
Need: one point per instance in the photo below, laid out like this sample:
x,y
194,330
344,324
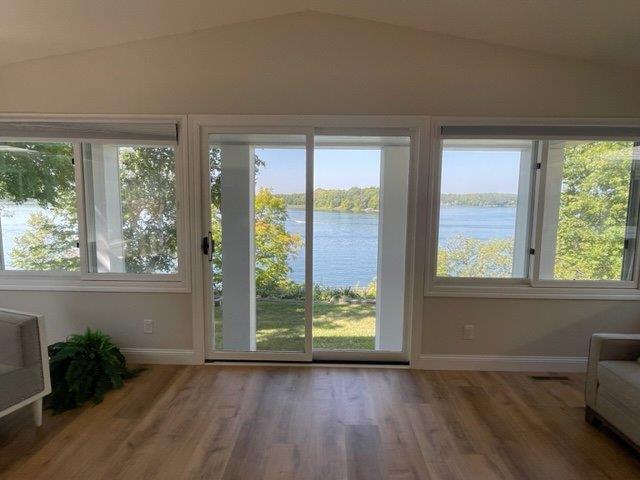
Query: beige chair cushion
x,y
21,374
618,397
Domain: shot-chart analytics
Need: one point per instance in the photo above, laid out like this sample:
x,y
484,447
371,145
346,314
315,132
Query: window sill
x,y
526,291
70,282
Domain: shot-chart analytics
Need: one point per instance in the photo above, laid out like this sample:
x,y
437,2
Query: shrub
x,y
321,293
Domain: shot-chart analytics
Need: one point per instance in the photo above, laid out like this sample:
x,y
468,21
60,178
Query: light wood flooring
x,y
255,422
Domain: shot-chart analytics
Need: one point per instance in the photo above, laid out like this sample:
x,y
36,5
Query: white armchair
x,y
24,363
612,392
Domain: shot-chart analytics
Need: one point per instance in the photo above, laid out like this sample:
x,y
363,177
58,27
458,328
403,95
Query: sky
x,y
284,171
462,171
480,171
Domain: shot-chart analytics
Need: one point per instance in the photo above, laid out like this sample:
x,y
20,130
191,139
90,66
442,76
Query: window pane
x,y
590,217
131,208
258,188
38,217
485,208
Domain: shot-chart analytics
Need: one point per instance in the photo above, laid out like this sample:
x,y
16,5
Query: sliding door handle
x,y
208,246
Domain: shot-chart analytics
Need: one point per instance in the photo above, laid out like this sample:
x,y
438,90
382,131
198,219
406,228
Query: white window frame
x,y
532,286
83,280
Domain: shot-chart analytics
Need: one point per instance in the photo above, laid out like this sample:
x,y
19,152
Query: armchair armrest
x,y
608,346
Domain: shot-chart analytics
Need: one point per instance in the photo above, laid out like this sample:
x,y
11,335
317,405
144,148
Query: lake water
x,y
346,244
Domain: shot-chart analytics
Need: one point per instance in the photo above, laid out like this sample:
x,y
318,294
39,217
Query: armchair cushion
x,y
604,347
621,379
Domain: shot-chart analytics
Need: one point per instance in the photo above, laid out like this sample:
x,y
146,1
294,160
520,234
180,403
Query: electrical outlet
x,y
147,325
468,332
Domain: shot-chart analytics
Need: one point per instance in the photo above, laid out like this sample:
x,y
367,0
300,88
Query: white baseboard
x,y
500,363
159,356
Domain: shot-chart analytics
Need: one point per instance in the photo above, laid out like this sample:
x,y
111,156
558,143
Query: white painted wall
x,y
321,64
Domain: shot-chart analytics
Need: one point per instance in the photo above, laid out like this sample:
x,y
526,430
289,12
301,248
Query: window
x,y
537,207
483,229
38,218
131,208
590,210
126,179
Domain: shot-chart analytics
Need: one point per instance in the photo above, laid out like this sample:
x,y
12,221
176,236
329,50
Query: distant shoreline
x,y
366,200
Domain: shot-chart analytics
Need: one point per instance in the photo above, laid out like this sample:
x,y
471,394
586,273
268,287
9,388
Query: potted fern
x,y
85,367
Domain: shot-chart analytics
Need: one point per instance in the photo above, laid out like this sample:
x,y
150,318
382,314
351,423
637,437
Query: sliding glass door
x,y
360,215
298,269
257,245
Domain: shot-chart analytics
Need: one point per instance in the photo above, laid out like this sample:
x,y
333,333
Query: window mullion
x,y
629,262
538,211
80,206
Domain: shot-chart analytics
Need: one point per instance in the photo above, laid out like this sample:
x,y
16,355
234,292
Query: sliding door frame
x,y
415,127
262,355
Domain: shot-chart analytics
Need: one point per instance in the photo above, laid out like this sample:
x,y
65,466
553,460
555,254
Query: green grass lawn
x,y
280,325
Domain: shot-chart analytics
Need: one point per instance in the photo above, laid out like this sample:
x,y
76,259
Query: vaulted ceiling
x,y
599,30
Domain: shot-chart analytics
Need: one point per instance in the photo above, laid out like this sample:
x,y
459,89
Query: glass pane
x,y
38,217
131,208
358,180
590,217
258,224
485,208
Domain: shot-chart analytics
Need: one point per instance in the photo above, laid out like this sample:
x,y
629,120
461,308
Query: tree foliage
x,y
593,211
149,209
478,199
471,257
36,171
354,199
591,224
274,246
44,173
590,238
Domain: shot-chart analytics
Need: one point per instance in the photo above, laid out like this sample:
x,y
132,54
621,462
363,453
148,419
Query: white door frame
x,y
210,352
201,125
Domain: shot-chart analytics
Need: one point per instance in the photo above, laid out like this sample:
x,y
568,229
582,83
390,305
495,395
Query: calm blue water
x,y
346,244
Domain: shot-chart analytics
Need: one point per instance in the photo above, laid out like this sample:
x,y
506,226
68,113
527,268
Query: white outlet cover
x,y
147,325
468,332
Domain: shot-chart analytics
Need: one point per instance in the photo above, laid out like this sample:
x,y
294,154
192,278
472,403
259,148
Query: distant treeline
x,y
366,199
478,199
354,200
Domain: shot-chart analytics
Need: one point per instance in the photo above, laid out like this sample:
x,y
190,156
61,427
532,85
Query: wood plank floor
x,y
242,422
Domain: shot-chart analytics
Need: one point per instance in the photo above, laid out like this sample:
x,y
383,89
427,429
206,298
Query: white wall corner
x,y
161,356
500,363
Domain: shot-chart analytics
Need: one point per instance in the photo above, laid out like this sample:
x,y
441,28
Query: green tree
x,y
471,257
44,173
274,246
147,189
36,171
149,209
593,211
355,199
50,240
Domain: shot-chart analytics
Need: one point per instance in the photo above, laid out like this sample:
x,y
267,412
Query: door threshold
x,y
314,363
